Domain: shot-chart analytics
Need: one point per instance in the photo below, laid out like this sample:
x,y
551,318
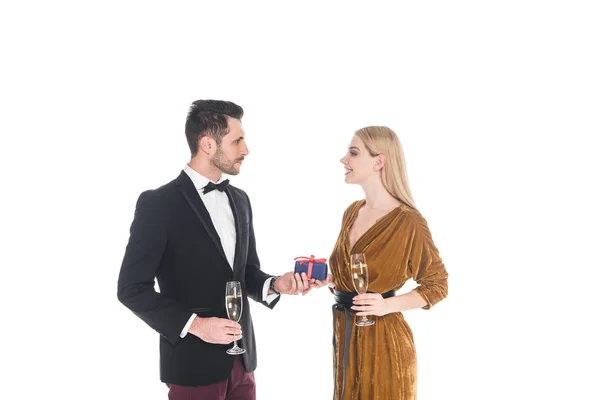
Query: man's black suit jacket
x,y
173,239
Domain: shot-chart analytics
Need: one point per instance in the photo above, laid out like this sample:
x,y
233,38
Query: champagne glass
x,y
233,304
360,279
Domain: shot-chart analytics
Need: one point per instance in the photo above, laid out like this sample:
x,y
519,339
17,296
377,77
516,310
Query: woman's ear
x,y
379,162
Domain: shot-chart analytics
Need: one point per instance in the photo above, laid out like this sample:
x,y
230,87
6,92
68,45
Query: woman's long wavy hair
x,y
383,140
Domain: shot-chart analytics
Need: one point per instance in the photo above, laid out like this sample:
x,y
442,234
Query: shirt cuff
x,y
186,328
268,298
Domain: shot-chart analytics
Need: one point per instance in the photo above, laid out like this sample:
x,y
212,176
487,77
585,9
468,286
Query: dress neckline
x,y
357,208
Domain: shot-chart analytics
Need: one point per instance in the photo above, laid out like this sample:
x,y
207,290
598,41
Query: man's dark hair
x,y
209,117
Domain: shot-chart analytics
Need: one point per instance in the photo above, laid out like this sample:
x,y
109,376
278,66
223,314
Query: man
x,y
193,235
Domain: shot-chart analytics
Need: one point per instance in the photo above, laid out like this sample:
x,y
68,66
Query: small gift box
x,y
313,267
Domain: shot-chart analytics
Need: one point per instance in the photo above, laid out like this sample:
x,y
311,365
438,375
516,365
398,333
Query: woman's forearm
x,y
406,301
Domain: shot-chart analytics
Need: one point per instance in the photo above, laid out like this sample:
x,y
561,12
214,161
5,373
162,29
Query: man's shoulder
x,y
159,194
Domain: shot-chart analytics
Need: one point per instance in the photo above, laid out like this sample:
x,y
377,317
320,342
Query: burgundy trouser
x,y
239,385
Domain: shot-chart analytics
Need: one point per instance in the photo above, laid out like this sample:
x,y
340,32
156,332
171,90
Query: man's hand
x,y
293,283
216,330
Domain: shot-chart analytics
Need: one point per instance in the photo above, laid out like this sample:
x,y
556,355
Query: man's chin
x,y
236,168
232,171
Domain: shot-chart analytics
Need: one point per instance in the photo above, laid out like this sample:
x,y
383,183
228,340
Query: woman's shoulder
x,y
413,215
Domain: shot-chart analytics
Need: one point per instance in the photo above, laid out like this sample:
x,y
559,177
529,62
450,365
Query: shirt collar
x,y
198,179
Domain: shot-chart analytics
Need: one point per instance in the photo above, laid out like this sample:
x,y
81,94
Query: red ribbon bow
x,y
310,260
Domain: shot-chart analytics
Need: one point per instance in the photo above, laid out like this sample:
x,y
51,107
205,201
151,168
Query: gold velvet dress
x,y
381,359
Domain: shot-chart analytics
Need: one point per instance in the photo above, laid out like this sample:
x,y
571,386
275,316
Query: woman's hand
x,y
315,283
370,304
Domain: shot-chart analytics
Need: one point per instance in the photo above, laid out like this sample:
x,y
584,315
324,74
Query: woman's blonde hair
x,y
383,140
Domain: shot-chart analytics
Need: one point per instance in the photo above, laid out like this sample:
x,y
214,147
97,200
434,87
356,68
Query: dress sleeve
x,y
426,266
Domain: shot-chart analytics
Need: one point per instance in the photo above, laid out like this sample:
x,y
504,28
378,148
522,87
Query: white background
x,y
497,106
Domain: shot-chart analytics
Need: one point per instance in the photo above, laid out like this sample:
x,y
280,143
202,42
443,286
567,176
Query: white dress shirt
x,y
219,209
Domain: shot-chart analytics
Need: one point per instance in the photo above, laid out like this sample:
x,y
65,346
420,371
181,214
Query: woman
x,y
379,361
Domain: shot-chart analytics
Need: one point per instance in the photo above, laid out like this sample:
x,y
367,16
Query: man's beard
x,y
226,166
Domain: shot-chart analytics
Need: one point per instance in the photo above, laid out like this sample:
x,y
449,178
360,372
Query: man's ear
x,y
206,144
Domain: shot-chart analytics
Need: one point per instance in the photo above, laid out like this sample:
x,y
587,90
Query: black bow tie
x,y
211,186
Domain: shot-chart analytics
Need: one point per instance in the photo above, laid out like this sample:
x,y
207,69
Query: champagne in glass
x,y
233,304
360,279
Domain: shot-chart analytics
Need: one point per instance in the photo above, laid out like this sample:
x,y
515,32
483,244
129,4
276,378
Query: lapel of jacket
x,y
189,192
238,229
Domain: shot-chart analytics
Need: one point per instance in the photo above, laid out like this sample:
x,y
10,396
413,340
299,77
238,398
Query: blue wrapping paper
x,y
316,266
